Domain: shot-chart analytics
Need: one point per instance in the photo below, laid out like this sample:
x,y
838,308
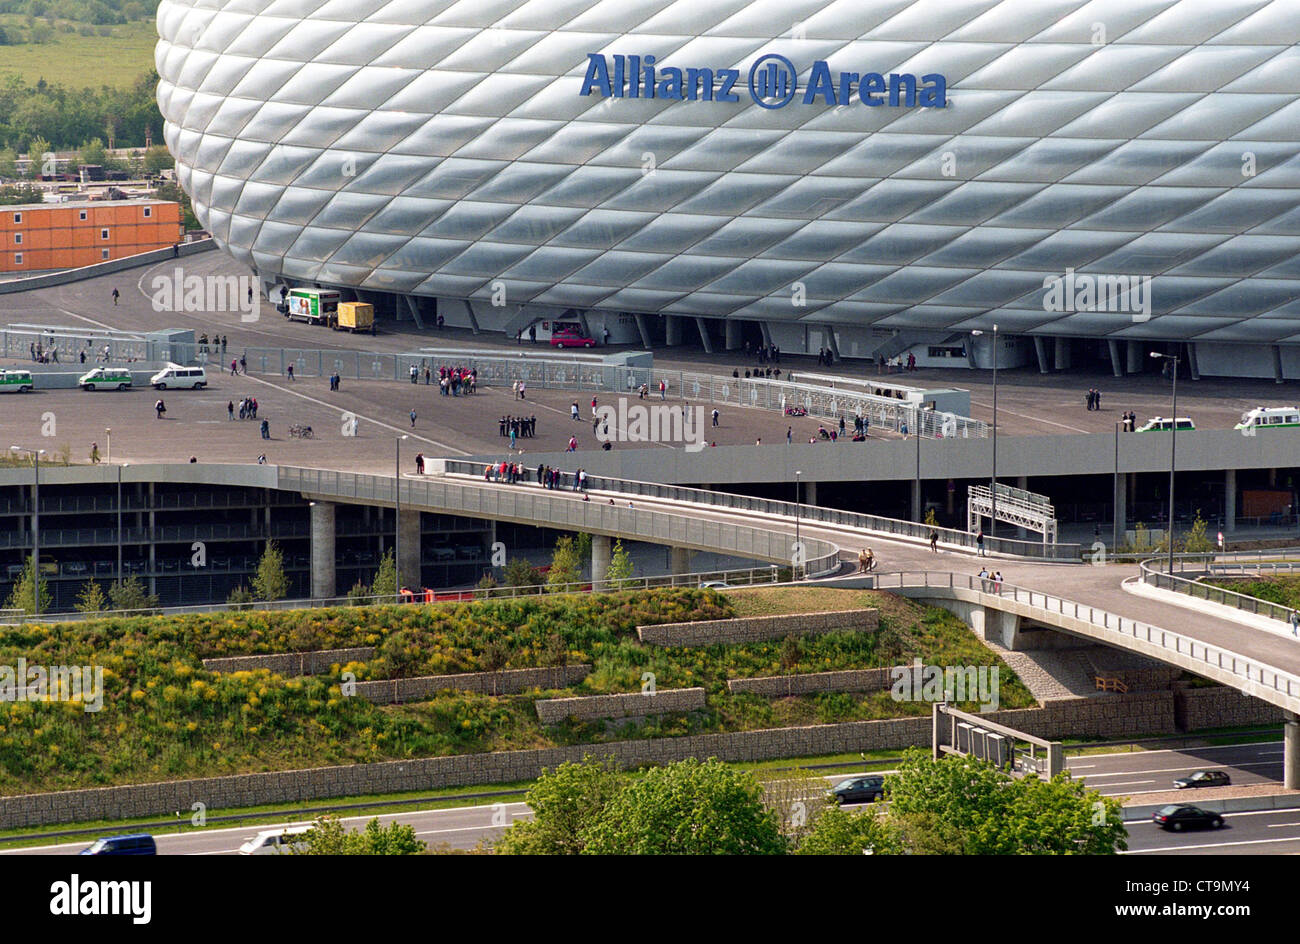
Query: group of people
x,y
766,353
518,427
893,365
760,373
238,366
247,408
1128,421
990,581
1094,399
512,473
217,344
825,357
866,560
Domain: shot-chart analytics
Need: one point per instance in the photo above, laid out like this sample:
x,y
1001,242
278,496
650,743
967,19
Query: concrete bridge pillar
x,y
323,581
1001,626
601,546
1229,501
672,330
408,525
679,560
810,493
1291,750
1061,360
732,329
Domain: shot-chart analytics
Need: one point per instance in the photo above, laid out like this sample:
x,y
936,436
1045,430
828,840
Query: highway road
x,y
1136,773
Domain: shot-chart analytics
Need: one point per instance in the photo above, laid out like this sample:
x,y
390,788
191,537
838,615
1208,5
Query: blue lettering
x,y
597,76
670,84
907,83
699,84
935,93
820,83
729,79
873,83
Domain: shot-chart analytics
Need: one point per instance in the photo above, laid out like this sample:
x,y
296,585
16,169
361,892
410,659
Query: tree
x,y
241,596
566,802
157,159
328,837
620,567
130,594
92,598
841,832
566,566
92,152
8,160
18,194
688,808
23,595
931,519
385,582
1197,541
520,573
359,595
270,582
964,806
796,797
37,148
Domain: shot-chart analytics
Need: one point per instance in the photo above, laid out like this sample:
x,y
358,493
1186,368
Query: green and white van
x,y
1162,424
1269,417
15,381
106,378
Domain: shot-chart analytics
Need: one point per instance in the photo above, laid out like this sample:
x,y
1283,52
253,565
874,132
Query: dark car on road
x,y
1178,818
860,789
1203,778
134,844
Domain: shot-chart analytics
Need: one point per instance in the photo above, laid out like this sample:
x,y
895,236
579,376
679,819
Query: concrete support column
x,y
679,560
1133,351
1040,349
704,335
408,525
1121,503
672,330
473,321
1116,362
810,493
1061,356
1277,364
833,343
323,579
644,331
731,328
1290,750
1193,363
1229,501
767,333
601,547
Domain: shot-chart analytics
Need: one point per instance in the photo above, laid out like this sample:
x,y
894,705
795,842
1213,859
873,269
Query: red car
x,y
571,340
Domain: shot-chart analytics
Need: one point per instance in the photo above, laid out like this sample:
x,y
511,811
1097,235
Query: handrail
x,y
815,513
1151,575
1250,673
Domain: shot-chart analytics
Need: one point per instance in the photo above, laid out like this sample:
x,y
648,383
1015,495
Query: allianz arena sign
x,y
772,82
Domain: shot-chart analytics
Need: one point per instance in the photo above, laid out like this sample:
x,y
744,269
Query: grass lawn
x,y
77,61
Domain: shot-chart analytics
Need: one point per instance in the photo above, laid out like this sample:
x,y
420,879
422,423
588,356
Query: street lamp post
x,y
1115,522
916,424
993,482
1173,449
108,435
798,547
36,524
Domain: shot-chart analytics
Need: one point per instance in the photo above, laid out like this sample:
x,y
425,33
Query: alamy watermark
x,y
661,423
42,683
1075,292
950,683
178,292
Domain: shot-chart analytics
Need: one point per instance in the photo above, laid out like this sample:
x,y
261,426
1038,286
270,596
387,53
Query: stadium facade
x,y
1097,178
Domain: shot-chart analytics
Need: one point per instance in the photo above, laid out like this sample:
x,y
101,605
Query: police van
x,y
174,375
15,381
106,378
1270,417
1163,424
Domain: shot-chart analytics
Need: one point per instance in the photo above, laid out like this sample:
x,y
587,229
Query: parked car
x,y
105,378
444,554
859,789
1182,817
76,567
133,844
284,841
1203,778
176,376
715,585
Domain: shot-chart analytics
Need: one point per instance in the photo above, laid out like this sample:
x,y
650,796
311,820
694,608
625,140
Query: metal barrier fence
x,y
1252,674
553,508
1152,575
69,343
811,513
586,375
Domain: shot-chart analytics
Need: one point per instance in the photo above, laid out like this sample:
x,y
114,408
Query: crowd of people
x,y
514,473
1093,399
247,408
518,427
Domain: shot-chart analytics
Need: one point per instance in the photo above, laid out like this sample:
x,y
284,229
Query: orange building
x,y
36,237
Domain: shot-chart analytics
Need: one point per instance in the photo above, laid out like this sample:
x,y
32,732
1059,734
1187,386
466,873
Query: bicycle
x,y
300,432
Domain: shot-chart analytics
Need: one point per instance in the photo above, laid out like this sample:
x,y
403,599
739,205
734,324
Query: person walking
x,y
160,408
234,367
289,371
243,364
997,582
412,415
715,418
230,409
419,463
789,435
663,390
116,294
979,543
1295,623
266,429
934,541
94,453
573,410
415,373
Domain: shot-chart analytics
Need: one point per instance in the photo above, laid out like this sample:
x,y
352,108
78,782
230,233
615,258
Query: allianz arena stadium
x,y
1098,179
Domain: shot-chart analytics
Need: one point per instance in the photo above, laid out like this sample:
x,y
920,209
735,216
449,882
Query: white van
x,y
174,375
284,841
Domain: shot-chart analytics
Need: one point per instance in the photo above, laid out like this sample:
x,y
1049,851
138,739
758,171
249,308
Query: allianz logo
x,y
1075,292
773,82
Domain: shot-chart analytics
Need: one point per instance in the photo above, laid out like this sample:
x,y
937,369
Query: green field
x,y
77,61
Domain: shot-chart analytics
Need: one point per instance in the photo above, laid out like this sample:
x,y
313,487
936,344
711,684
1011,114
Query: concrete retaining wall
x,y
67,276
776,686
633,705
1221,707
756,628
506,682
289,664
1103,717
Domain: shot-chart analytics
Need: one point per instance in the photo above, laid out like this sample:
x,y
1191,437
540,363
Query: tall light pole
x,y
993,482
798,547
1116,523
397,518
108,435
36,524
1173,448
916,428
